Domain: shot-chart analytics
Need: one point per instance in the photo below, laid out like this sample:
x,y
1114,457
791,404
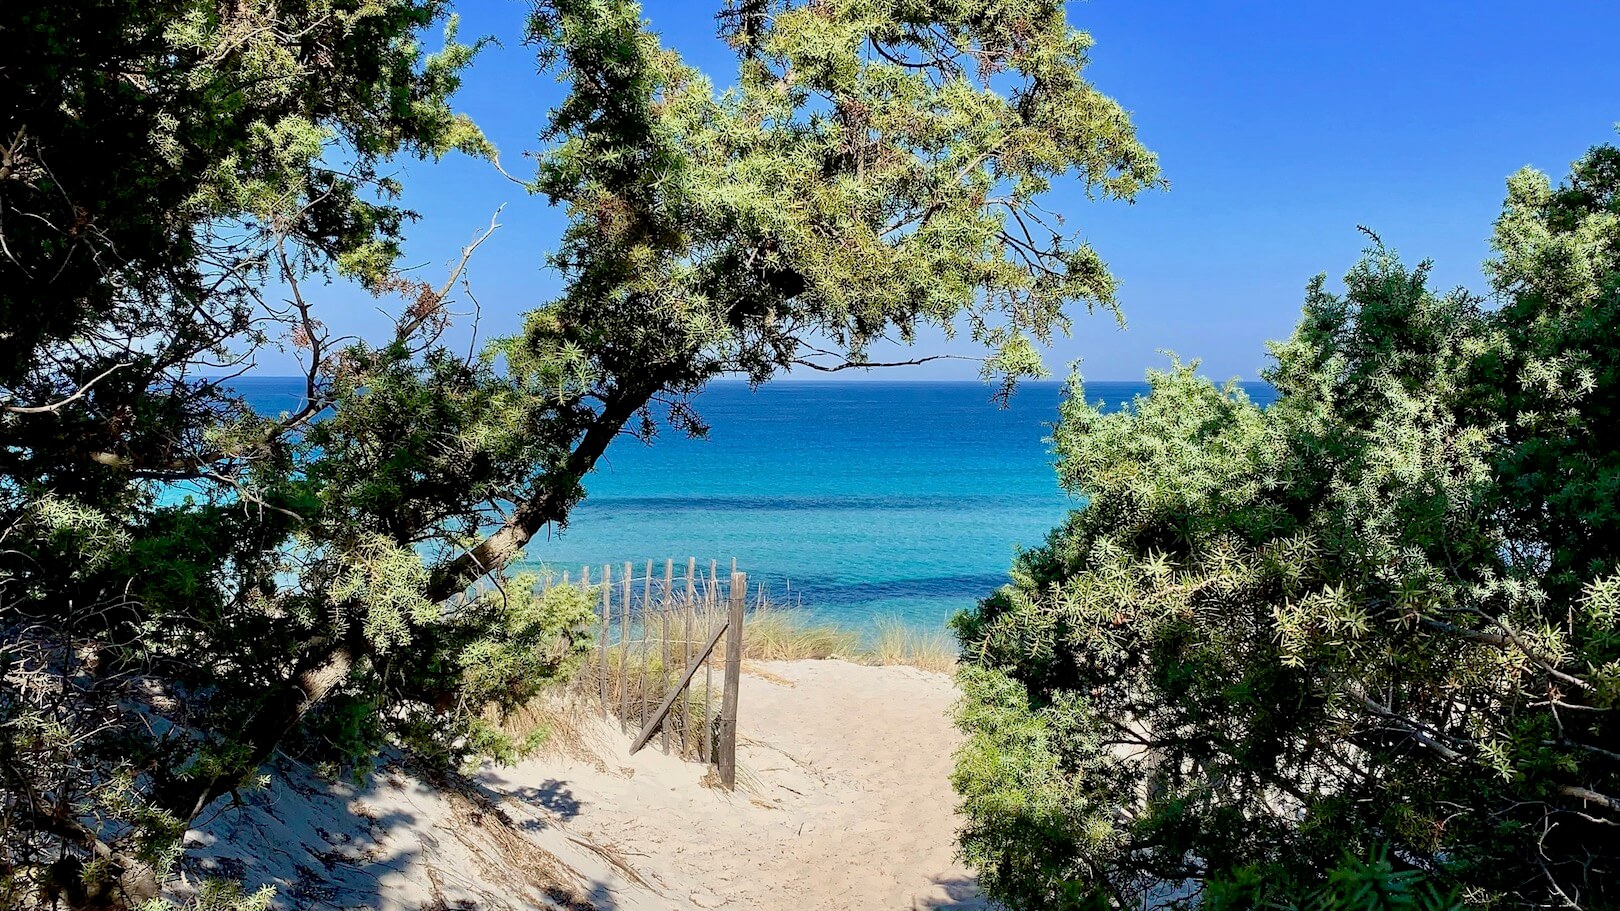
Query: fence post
x,y
602,642
646,647
665,627
686,658
728,702
711,594
624,645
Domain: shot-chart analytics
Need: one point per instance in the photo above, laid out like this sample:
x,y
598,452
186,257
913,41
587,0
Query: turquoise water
x,y
865,499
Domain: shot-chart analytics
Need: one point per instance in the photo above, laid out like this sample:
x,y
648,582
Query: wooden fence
x,y
656,655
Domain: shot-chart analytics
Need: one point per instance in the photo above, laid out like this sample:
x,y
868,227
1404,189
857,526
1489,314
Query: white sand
x,y
844,799
844,803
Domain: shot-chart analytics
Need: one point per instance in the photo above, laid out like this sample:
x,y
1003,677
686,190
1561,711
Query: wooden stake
x,y
624,645
646,645
706,745
602,646
665,627
728,701
711,595
686,658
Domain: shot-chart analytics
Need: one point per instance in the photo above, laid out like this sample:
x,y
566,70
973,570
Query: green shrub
x,y
1379,615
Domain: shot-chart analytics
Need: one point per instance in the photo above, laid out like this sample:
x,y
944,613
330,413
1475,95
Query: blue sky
x,y
1281,127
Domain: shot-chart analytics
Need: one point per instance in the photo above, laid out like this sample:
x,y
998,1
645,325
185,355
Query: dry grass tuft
x,y
565,721
776,634
898,642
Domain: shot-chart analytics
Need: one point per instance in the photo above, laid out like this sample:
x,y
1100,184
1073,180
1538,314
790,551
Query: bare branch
x,y
55,406
409,325
852,365
1503,640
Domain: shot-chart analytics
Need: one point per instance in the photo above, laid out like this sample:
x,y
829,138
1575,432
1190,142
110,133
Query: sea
x,y
856,500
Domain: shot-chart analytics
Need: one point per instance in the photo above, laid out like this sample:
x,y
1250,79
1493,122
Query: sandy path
x,y
845,803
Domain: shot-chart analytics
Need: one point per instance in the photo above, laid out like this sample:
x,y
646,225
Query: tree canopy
x,y
1355,649
189,586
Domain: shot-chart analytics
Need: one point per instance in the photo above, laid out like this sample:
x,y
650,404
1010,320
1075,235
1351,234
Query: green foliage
x,y
1374,620
187,586
145,143
862,178
501,650
1353,885
217,895
1029,824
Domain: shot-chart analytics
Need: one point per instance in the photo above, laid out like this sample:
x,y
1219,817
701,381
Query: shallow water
x,y
863,499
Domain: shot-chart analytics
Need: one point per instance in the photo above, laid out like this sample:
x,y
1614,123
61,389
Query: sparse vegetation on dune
x,y
638,672
776,632
788,634
899,642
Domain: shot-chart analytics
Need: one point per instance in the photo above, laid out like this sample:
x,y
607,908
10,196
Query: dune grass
x,y
774,633
786,634
898,642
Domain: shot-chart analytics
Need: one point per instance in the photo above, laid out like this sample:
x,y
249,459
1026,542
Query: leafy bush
x,y
182,178
1379,615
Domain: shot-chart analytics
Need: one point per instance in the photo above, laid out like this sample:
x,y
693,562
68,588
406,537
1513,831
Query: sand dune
x,y
843,803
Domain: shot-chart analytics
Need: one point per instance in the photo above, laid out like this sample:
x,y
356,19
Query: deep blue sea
x,y
865,499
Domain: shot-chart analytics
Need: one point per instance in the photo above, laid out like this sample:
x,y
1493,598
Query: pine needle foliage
x,y
1366,635
188,586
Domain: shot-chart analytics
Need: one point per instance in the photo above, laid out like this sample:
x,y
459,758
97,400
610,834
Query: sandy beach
x,y
843,802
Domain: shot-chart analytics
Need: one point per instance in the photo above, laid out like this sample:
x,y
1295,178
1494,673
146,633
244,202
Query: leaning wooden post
x,y
602,645
669,700
728,702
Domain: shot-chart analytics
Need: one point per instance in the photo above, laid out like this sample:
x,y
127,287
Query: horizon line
x,y
801,379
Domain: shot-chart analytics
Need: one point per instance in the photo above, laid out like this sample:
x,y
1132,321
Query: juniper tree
x,y
1376,619
337,578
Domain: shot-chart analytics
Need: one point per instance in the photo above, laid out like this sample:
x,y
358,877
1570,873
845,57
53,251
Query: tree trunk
x,y
548,504
323,670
